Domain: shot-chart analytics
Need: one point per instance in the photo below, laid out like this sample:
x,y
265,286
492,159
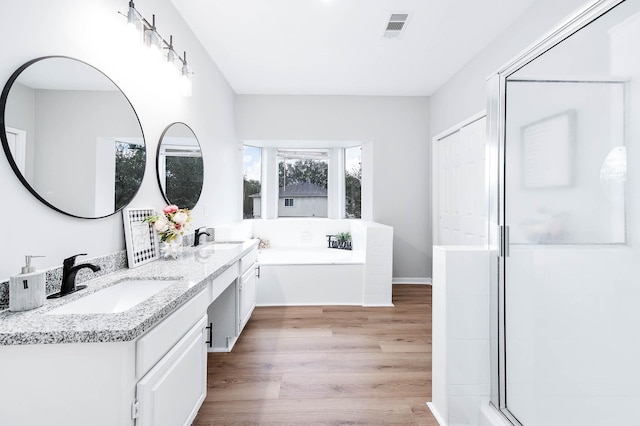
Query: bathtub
x,y
310,276
309,256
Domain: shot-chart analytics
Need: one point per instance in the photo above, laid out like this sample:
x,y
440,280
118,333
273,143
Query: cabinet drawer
x,y
248,260
160,339
224,280
173,391
248,273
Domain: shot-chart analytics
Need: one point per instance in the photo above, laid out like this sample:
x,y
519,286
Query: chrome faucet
x,y
69,271
196,236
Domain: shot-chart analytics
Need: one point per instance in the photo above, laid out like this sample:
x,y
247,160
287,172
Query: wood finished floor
x,y
327,365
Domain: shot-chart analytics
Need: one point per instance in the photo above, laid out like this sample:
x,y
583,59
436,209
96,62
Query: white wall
x,y
465,93
93,32
397,129
19,114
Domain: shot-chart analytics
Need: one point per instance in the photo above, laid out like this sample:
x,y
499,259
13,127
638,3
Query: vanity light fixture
x,y
151,37
148,33
185,81
172,56
134,20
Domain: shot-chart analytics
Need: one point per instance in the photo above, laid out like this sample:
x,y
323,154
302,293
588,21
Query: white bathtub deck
x,y
310,276
309,256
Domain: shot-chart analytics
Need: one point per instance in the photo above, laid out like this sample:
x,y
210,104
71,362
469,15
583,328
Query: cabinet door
x,y
172,392
247,295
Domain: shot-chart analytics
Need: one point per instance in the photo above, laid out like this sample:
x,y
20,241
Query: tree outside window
x,y
353,182
252,169
130,161
303,175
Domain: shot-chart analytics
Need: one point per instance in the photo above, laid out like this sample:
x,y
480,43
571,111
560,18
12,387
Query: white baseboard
x,y
436,414
384,305
411,280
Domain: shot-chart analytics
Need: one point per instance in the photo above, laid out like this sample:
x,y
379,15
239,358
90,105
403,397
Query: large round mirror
x,y
180,167
72,137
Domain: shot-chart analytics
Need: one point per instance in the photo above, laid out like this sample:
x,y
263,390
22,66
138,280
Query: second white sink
x,y
218,247
117,298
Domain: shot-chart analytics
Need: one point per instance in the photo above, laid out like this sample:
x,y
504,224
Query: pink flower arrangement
x,y
172,222
171,208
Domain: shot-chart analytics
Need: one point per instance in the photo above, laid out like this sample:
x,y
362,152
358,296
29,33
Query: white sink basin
x,y
117,298
205,253
219,246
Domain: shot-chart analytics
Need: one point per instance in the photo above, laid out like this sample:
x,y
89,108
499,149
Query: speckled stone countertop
x,y
193,271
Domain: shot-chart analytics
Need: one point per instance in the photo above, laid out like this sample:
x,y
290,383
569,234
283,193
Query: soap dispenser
x,y
27,289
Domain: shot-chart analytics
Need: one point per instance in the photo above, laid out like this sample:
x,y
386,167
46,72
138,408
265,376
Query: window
x,y
252,170
353,182
130,163
298,181
303,174
180,169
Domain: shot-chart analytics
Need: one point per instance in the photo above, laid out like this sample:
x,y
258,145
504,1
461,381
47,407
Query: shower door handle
x,y
503,241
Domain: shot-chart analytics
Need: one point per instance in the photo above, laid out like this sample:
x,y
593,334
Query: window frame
x,y
336,185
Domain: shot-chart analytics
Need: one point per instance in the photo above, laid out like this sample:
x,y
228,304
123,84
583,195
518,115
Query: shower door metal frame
x,y
498,228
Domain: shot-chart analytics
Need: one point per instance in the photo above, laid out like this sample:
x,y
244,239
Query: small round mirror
x,y
72,137
179,166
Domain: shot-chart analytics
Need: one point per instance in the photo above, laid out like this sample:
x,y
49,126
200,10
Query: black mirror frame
x,y
5,142
163,192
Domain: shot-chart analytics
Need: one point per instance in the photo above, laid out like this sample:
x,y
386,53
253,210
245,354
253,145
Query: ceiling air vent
x,y
396,24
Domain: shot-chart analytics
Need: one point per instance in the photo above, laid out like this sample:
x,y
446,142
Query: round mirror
x,y
72,137
180,167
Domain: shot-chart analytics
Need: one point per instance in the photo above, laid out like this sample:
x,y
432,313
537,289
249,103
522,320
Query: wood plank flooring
x,y
327,365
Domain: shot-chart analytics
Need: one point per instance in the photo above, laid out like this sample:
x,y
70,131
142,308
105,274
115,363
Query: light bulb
x,y
186,88
134,24
172,59
185,81
153,41
170,64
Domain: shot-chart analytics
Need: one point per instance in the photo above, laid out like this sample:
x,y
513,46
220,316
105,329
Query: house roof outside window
x,y
305,189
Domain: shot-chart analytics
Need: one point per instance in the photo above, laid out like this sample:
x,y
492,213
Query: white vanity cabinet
x,y
232,307
172,363
157,379
247,288
172,392
98,378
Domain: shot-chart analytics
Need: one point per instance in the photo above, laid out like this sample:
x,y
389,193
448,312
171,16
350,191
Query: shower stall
x,y
564,130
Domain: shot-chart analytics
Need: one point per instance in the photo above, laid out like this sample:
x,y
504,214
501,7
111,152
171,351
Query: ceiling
x,y
336,47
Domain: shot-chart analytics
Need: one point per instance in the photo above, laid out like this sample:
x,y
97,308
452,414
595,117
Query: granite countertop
x,y
193,271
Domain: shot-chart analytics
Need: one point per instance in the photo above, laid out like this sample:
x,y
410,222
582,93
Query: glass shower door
x,y
570,343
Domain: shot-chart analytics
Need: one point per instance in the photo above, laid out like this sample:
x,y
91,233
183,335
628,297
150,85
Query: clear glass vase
x,y
172,250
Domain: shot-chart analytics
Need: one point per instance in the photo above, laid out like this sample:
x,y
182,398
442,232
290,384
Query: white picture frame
x,y
141,239
548,151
